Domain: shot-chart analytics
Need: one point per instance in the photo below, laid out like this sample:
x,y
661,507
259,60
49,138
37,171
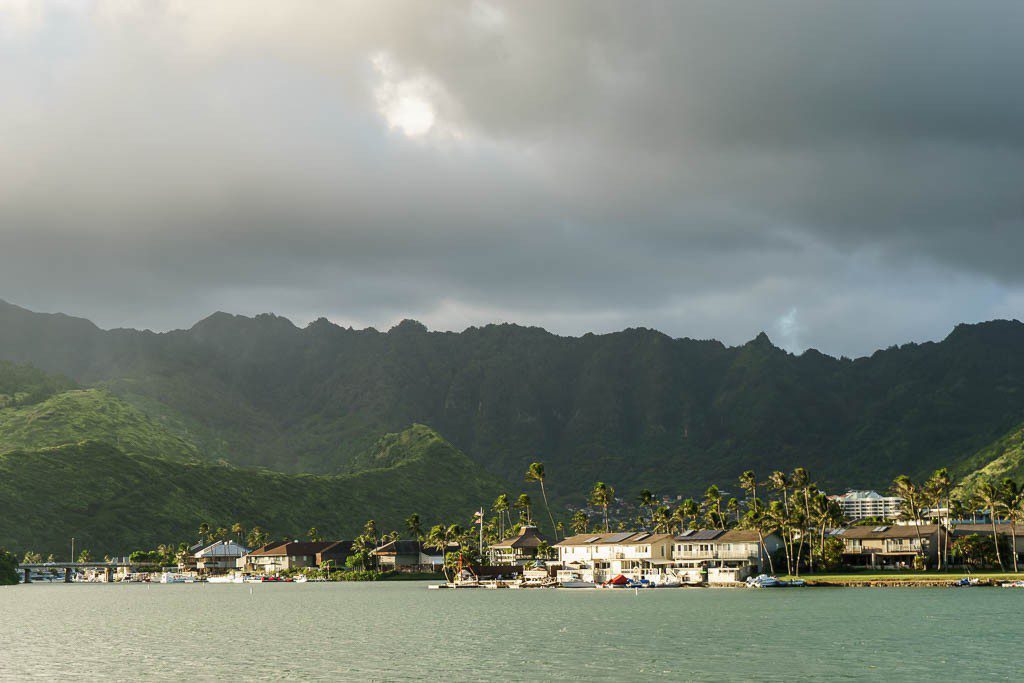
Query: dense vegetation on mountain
x,y
636,408
1000,460
112,502
89,414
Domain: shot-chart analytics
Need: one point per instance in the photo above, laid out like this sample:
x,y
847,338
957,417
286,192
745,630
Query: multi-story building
x,y
891,546
868,505
219,557
286,555
722,556
711,555
600,557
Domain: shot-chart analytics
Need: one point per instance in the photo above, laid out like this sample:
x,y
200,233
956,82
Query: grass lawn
x,y
944,575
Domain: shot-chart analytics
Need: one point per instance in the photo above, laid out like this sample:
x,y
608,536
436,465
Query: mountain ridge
x,y
637,407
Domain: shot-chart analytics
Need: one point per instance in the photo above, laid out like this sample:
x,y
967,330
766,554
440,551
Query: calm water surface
x,y
400,631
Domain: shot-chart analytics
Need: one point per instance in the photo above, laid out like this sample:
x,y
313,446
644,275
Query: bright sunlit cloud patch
x,y
405,103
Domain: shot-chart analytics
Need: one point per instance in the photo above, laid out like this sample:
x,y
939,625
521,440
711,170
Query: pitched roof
x,y
1001,529
528,537
292,548
409,548
619,538
222,549
889,531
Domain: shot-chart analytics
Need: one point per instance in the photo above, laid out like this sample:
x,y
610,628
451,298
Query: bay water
x,y
401,631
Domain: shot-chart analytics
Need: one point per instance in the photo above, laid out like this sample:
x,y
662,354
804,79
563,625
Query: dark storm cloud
x,y
842,175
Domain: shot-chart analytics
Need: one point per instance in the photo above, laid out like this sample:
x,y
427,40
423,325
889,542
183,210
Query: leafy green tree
x,y
602,495
8,568
536,473
32,558
974,550
85,555
238,530
314,534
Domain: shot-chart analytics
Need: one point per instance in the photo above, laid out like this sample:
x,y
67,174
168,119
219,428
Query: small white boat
x,y
765,581
301,578
1012,584
221,579
170,577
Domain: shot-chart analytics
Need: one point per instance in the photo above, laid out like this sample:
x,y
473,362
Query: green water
x,y
400,631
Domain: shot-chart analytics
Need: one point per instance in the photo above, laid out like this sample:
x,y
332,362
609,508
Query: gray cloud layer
x,y
842,175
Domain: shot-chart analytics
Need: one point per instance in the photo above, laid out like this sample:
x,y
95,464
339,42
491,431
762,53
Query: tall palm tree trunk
x,y
995,538
544,495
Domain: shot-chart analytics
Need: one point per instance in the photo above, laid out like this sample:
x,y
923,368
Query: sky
x,y
841,175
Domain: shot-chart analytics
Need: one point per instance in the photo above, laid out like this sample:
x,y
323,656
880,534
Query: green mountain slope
x,y
635,408
112,502
1001,459
89,414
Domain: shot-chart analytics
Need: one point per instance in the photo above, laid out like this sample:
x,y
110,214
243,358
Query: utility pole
x,y
72,548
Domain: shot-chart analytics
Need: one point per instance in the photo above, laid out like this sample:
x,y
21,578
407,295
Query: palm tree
x,y
580,522
501,507
536,473
646,500
910,509
732,506
238,530
257,537
748,482
313,534
937,490
777,517
204,532
413,526
758,519
1012,496
713,507
523,504
661,520
602,496
437,539
988,495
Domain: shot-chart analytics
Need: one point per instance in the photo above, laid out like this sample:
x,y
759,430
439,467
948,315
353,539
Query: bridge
x,y
69,568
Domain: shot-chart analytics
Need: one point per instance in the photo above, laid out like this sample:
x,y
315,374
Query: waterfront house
x,y
219,557
890,546
410,555
287,555
722,555
520,549
1003,532
600,557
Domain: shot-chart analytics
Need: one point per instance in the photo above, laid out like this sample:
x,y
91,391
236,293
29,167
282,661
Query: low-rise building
x,y
857,505
1005,533
521,548
411,555
219,556
893,546
722,555
287,555
600,557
